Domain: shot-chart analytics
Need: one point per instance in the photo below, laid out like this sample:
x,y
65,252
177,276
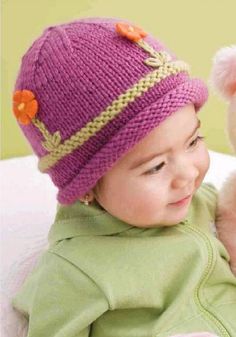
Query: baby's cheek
x,y
204,160
153,201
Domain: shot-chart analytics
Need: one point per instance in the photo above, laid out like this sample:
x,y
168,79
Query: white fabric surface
x,y
28,206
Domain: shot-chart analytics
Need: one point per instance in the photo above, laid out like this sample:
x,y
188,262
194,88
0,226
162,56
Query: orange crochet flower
x,y
133,33
25,106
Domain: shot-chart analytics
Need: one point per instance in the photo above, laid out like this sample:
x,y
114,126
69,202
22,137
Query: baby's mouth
x,y
181,202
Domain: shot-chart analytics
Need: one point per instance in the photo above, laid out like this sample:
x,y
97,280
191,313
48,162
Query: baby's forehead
x,y
162,138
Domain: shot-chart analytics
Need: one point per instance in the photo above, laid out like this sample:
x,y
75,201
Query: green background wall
x,y
194,30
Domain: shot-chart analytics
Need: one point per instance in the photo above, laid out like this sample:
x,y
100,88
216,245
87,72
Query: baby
x,y
112,115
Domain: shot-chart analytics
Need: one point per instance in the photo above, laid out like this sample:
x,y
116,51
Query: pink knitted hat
x,y
89,90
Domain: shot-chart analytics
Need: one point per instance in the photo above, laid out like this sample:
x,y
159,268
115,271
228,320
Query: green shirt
x,y
101,277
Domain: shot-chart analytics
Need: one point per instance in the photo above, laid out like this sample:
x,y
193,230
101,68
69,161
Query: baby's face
x,y
167,165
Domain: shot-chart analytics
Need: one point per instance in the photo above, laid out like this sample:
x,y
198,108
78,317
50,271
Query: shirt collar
x,y
81,220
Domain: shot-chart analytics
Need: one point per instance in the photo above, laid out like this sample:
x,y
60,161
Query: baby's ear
x,y
89,196
223,74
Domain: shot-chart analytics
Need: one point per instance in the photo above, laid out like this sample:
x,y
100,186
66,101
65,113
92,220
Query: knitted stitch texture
x,y
98,94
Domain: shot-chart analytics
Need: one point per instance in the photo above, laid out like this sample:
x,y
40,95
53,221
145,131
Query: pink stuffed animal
x,y
223,78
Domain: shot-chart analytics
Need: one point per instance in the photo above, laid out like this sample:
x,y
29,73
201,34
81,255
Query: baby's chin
x,y
164,223
179,217
168,216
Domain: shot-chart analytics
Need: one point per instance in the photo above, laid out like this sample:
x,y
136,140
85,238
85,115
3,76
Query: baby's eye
x,y
155,168
195,141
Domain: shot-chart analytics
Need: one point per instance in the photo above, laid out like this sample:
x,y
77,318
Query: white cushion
x,y
28,206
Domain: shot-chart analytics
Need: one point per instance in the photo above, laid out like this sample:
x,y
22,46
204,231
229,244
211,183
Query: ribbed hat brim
x,y
191,91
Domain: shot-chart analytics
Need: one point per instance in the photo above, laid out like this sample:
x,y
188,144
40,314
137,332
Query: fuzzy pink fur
x,y
226,218
231,121
223,78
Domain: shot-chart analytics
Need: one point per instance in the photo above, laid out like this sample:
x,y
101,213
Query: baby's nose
x,y
184,176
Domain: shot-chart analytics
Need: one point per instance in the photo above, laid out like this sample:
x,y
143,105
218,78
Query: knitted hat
x,y
89,90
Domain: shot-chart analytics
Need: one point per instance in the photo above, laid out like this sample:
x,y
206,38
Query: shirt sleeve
x,y
59,299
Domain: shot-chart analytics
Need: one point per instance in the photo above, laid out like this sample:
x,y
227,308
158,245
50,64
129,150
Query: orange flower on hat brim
x,y
25,106
133,33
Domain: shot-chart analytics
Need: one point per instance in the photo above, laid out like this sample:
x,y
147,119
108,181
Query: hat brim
x,y
191,91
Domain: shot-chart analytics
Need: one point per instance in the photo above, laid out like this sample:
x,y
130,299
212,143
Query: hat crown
x,y
76,70
89,83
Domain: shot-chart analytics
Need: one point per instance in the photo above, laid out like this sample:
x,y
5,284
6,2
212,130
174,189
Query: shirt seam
x,y
199,290
81,217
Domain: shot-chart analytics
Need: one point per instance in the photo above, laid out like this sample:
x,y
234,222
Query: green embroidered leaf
x,y
52,142
153,62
